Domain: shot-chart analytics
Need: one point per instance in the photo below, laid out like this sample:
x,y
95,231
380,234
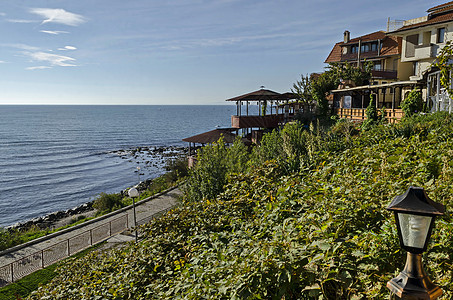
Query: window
x,y
440,35
365,48
377,66
374,46
426,38
411,42
354,49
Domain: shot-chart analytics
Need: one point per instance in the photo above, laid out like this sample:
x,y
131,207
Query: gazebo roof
x,y
258,95
212,136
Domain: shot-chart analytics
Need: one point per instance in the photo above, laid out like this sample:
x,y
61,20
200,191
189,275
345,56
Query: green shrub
x,y
270,148
413,103
177,169
105,203
214,162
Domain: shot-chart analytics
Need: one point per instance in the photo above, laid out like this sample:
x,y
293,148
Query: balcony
x,y
358,114
384,74
421,52
269,121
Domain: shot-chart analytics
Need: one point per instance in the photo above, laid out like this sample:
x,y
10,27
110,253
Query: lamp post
x,y
133,193
414,214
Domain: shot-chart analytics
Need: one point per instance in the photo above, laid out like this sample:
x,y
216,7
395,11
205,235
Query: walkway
x,y
24,259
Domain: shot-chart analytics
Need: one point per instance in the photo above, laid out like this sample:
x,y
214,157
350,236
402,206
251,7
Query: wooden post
x,y
358,54
12,273
377,98
69,252
393,98
42,259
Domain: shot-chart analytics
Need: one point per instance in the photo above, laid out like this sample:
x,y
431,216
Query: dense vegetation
x,y
301,217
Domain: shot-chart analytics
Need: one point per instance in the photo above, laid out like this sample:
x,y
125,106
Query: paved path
x,y
145,211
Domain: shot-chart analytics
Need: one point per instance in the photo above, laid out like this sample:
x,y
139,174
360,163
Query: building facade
x,y
422,40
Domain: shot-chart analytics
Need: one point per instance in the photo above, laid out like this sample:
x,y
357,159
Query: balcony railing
x,y
385,74
358,114
420,52
269,121
423,51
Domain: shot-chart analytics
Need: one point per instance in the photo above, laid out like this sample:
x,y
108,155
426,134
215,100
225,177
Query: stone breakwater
x,y
156,157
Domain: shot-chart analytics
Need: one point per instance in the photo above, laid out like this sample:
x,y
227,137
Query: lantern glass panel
x,y
414,229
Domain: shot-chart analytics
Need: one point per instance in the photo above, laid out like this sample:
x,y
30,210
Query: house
x,y
422,40
382,50
389,75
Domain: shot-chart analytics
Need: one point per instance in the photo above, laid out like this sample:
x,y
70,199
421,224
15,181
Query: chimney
x,y
347,36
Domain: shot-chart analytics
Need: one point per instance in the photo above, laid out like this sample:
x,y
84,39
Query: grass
x,y
23,287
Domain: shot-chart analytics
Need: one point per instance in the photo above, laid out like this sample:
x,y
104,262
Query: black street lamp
x,y
414,214
133,193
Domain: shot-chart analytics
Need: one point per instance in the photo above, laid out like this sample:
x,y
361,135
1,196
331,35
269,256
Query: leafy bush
x,y
105,203
214,162
177,169
413,103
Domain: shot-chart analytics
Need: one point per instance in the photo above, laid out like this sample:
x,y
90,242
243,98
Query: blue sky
x,y
174,51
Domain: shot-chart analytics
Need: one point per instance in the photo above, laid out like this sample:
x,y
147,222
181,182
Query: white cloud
x,y
20,21
53,59
58,15
66,48
2,14
53,32
38,68
22,47
2,62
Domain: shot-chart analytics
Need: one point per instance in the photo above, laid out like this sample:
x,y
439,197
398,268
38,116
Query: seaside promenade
x,y
22,260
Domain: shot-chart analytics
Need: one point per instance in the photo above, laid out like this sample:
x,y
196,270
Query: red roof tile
x,y
391,46
442,6
378,35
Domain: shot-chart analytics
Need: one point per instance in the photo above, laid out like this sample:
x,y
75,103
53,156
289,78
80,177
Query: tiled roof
x,y
390,46
378,35
335,54
445,5
434,20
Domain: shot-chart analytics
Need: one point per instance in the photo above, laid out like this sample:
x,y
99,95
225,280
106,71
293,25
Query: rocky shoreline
x,y
153,156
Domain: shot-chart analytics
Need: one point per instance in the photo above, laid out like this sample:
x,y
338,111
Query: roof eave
x,y
396,32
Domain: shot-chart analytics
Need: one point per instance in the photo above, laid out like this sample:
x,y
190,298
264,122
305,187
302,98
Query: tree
x,y
317,88
347,71
412,104
320,88
443,62
302,89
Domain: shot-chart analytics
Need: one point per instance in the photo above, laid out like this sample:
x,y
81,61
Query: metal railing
x,y
48,256
40,259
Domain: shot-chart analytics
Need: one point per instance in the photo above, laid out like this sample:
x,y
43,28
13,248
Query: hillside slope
x,y
303,217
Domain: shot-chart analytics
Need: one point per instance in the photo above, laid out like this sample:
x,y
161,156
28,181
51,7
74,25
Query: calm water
x,y
57,157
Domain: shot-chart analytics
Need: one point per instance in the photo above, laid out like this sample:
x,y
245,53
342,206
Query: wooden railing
x,y
269,121
358,114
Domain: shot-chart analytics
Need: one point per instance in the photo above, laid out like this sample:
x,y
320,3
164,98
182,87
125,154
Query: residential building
x,y
382,50
422,40
389,74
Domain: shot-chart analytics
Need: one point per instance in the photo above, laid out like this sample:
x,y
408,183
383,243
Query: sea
x,y
54,158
